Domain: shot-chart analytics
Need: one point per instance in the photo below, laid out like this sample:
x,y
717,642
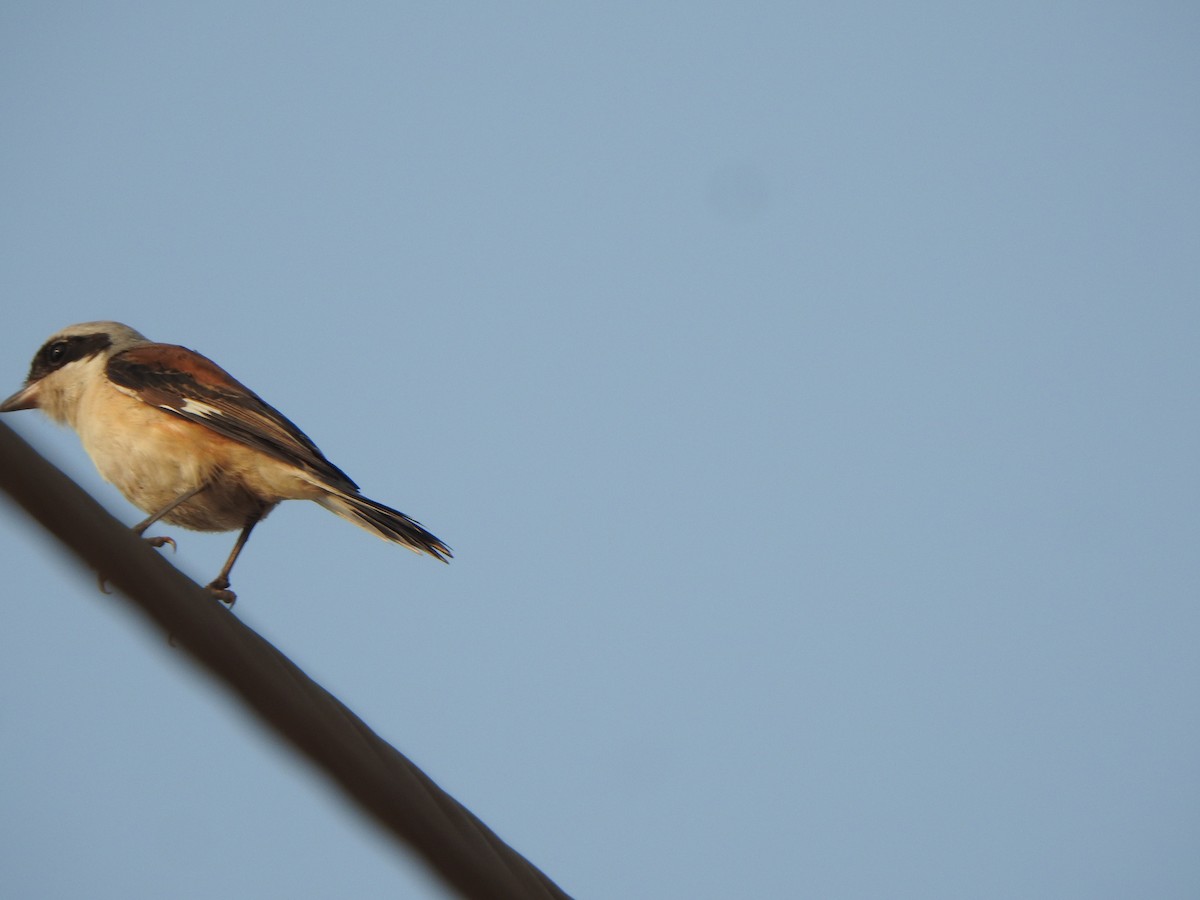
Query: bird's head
x,y
67,364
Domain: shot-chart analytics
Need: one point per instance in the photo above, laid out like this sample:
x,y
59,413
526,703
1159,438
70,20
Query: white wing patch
x,y
199,408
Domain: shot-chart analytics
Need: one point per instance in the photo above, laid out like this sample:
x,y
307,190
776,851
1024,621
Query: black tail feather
x,y
388,523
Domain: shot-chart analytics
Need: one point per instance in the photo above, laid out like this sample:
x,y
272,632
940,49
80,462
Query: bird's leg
x,y
219,586
141,527
146,523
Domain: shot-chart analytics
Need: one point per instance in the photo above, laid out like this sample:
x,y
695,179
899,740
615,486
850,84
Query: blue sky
x,y
808,394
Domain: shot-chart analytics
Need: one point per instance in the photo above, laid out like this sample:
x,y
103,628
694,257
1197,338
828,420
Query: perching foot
x,y
152,541
220,590
160,542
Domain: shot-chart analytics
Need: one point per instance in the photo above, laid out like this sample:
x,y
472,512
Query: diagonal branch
x,y
462,850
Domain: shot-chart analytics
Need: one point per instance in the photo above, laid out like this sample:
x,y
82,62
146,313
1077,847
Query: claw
x,y
153,542
220,590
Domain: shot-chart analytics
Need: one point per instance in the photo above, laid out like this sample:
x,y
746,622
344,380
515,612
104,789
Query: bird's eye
x,y
57,353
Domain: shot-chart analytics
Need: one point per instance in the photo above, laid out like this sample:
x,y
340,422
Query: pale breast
x,y
153,458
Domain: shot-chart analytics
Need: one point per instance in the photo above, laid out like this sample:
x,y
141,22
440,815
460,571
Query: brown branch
x,y
463,851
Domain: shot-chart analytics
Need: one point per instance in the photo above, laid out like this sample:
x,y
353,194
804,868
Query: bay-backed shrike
x,y
188,444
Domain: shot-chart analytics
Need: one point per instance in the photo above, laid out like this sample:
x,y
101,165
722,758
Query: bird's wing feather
x,y
185,384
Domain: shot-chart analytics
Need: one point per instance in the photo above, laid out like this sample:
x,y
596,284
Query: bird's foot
x,y
160,542
220,590
152,541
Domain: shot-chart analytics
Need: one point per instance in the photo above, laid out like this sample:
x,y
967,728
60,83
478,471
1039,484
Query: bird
x,y
187,443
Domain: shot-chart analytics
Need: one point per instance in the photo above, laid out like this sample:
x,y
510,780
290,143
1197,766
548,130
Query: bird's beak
x,y
25,398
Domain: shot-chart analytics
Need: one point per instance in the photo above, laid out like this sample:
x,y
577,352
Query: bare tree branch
x,y
462,850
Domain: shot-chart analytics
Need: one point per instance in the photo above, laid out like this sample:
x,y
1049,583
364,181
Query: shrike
x,y
188,444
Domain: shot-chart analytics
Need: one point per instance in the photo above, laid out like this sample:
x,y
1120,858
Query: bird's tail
x,y
388,523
